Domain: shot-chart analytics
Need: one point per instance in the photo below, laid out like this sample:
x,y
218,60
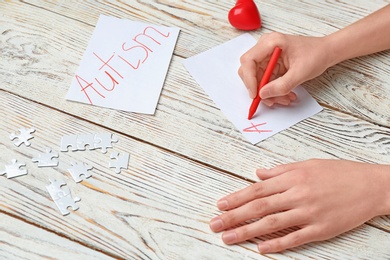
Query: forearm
x,y
368,35
386,184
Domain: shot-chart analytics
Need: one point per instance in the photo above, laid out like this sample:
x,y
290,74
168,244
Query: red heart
x,y
245,15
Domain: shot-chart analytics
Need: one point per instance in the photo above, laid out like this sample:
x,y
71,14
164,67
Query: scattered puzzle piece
x,y
121,161
56,190
105,141
14,169
65,202
23,136
78,170
86,140
69,140
93,141
62,197
48,159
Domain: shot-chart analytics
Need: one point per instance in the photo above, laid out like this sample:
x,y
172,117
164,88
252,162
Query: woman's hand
x,y
302,59
321,198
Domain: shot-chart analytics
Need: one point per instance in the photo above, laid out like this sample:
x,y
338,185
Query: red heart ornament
x,y
245,15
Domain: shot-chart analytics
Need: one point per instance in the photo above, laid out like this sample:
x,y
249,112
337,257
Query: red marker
x,y
267,74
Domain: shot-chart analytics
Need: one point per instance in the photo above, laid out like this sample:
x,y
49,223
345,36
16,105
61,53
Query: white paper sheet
x,y
124,65
216,71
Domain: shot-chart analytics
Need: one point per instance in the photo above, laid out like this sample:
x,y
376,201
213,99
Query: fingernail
x,y
216,224
260,172
229,237
264,248
292,96
268,102
264,93
222,204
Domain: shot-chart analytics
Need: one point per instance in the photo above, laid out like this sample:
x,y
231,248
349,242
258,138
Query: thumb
x,y
280,86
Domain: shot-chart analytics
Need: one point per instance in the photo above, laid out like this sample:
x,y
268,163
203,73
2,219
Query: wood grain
x,y
184,110
354,86
157,209
21,240
188,154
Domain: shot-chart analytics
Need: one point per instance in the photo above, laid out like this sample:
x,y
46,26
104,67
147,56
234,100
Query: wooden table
x,y
186,156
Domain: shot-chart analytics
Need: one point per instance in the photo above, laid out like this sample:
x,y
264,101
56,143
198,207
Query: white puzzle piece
x,y
14,169
69,141
80,171
22,136
62,196
86,140
92,141
119,161
57,189
47,159
105,141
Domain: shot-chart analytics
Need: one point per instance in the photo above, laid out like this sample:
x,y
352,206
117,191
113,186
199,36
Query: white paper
x,y
124,65
216,71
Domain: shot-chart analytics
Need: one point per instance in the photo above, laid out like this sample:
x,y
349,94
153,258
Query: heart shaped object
x,y
245,15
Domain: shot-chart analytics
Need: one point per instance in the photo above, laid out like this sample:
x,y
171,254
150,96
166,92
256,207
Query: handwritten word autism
x,y
114,69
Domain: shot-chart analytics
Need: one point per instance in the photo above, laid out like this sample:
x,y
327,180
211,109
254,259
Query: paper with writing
x,y
124,65
216,71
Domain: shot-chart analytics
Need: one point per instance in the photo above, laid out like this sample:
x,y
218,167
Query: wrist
x,y
334,49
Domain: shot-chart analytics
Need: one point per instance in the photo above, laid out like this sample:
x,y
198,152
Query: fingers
x,y
255,58
252,192
251,83
248,73
260,189
252,210
283,100
265,174
294,239
280,87
267,225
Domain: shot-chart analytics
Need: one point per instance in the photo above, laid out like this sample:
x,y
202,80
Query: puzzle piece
x,y
80,169
104,141
48,159
23,136
86,140
57,189
14,169
69,140
93,141
62,197
65,202
121,161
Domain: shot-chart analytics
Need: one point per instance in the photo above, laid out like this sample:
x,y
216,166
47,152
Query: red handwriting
x,y
85,85
133,53
254,129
